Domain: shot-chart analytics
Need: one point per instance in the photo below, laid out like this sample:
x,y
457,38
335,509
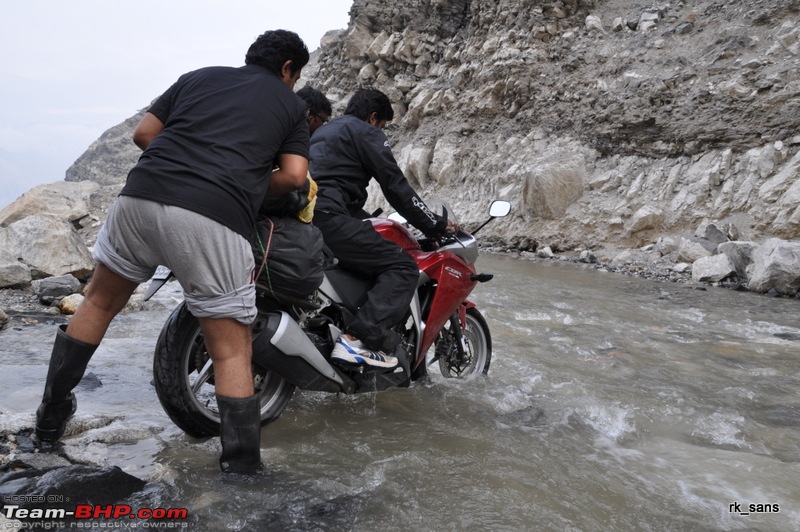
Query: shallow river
x,y
612,403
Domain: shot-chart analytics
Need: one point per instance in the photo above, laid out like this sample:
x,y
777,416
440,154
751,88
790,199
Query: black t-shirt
x,y
223,128
345,155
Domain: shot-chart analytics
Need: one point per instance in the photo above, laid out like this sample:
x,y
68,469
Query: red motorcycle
x,y
293,338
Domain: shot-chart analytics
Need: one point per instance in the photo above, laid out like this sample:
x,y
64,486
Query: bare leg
x,y
230,346
106,296
74,347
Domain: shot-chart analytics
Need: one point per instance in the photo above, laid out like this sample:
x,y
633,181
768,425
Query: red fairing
x,y
391,230
454,279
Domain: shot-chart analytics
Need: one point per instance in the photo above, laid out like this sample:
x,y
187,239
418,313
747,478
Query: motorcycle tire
x,y
478,349
184,379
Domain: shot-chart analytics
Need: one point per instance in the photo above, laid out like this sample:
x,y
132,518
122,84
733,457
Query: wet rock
x,y
78,484
339,513
90,381
70,304
56,287
37,460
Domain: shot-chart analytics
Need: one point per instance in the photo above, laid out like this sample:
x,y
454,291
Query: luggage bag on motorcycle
x,y
288,256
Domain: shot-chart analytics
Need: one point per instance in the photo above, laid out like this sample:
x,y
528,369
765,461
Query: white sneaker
x,y
354,352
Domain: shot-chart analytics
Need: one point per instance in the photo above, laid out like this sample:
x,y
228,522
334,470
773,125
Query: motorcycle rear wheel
x,y
477,349
184,379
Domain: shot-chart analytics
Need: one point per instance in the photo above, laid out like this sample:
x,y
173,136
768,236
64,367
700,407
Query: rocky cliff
x,y
609,124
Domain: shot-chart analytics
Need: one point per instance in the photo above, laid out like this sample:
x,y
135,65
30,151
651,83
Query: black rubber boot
x,y
240,434
67,365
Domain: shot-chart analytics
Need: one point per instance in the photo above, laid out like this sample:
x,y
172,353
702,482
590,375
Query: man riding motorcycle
x,y
344,156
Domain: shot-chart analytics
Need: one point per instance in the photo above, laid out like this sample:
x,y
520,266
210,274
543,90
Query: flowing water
x,y
612,403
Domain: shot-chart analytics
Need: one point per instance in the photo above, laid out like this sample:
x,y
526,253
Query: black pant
x,y
362,250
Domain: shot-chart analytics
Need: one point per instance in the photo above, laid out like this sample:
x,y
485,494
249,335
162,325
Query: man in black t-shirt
x,y
210,142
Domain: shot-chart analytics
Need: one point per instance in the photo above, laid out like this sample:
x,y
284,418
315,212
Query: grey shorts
x,y
213,263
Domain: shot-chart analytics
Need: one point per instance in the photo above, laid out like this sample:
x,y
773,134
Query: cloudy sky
x,y
72,69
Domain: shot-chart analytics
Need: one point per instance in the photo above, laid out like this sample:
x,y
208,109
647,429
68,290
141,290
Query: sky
x,y
71,69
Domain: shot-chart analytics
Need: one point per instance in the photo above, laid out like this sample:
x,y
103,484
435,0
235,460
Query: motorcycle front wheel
x,y
477,348
184,379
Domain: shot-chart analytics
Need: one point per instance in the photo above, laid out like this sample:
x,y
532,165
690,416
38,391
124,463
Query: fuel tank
x,y
391,230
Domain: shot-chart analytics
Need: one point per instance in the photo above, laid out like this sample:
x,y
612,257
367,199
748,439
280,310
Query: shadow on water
x,y
612,403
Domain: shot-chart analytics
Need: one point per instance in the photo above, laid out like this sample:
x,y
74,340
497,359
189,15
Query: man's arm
x,y
380,162
149,127
290,176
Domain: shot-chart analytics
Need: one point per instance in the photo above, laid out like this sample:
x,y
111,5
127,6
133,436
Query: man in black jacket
x,y
345,155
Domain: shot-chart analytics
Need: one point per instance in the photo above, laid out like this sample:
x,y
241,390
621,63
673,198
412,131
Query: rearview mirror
x,y
499,208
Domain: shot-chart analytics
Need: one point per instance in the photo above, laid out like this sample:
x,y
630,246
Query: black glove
x,y
439,229
288,204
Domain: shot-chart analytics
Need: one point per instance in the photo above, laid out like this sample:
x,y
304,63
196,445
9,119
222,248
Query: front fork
x,y
454,348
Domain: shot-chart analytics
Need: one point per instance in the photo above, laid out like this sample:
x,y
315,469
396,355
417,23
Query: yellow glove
x,y
307,214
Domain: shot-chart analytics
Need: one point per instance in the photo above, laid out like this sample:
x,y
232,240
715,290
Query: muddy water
x,y
612,403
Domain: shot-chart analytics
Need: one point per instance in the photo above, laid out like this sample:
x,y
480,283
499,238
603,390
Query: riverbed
x,y
612,402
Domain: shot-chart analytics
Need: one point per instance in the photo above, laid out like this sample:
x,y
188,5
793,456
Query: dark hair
x,y
368,101
316,101
273,48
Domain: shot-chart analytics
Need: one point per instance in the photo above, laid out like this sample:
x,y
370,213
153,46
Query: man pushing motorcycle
x,y
210,144
345,155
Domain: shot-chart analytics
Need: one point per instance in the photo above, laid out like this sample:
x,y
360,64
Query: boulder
x,y
552,184
48,247
692,249
776,266
52,288
712,232
647,217
64,200
12,271
740,253
78,484
712,269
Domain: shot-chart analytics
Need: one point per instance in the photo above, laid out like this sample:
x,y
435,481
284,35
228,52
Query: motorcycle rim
x,y
190,399
477,349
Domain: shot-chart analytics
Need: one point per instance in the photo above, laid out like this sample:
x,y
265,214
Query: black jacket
x,y
344,155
